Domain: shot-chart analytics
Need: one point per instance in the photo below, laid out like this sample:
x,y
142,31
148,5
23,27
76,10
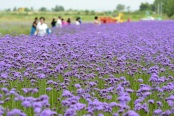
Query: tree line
x,y
163,6
57,8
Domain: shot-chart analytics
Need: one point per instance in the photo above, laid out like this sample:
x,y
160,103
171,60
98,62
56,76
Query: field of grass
x,y
15,23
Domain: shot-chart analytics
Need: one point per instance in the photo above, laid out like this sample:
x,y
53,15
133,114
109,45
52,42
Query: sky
x,y
97,5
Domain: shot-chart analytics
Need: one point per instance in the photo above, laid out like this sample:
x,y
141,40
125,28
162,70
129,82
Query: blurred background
x,y
16,16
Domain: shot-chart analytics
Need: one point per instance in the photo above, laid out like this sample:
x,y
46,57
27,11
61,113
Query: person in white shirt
x,y
96,21
38,23
42,27
59,22
77,21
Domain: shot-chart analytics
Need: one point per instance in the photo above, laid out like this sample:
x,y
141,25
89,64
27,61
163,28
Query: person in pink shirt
x,y
64,22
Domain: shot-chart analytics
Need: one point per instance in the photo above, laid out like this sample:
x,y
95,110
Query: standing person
x,y
59,22
64,22
53,23
69,21
42,28
34,25
80,20
96,21
77,21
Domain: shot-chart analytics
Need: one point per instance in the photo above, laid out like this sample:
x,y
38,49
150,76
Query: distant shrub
x,y
172,17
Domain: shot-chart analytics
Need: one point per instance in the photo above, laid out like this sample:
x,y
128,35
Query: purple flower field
x,y
108,70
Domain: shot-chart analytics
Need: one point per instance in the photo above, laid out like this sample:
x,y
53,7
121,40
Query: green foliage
x,y
92,12
70,9
58,8
146,6
160,6
169,7
108,13
120,7
87,12
172,17
27,9
14,9
43,9
7,10
78,13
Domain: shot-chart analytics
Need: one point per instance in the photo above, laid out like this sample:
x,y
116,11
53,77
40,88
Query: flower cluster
x,y
107,70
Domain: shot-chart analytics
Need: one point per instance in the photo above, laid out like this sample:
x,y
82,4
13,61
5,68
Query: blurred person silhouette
x,y
77,21
64,22
69,21
80,20
53,23
96,20
59,22
34,26
42,29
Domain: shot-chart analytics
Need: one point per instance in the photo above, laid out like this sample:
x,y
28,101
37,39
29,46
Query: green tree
x,y
14,9
43,9
156,2
86,12
169,7
157,5
120,7
92,12
58,8
145,6
27,10
153,7
8,10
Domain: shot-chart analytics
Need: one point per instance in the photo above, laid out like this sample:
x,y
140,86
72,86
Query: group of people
x,y
60,22
40,28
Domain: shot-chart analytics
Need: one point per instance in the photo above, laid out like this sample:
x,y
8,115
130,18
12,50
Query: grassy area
x,y
20,23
